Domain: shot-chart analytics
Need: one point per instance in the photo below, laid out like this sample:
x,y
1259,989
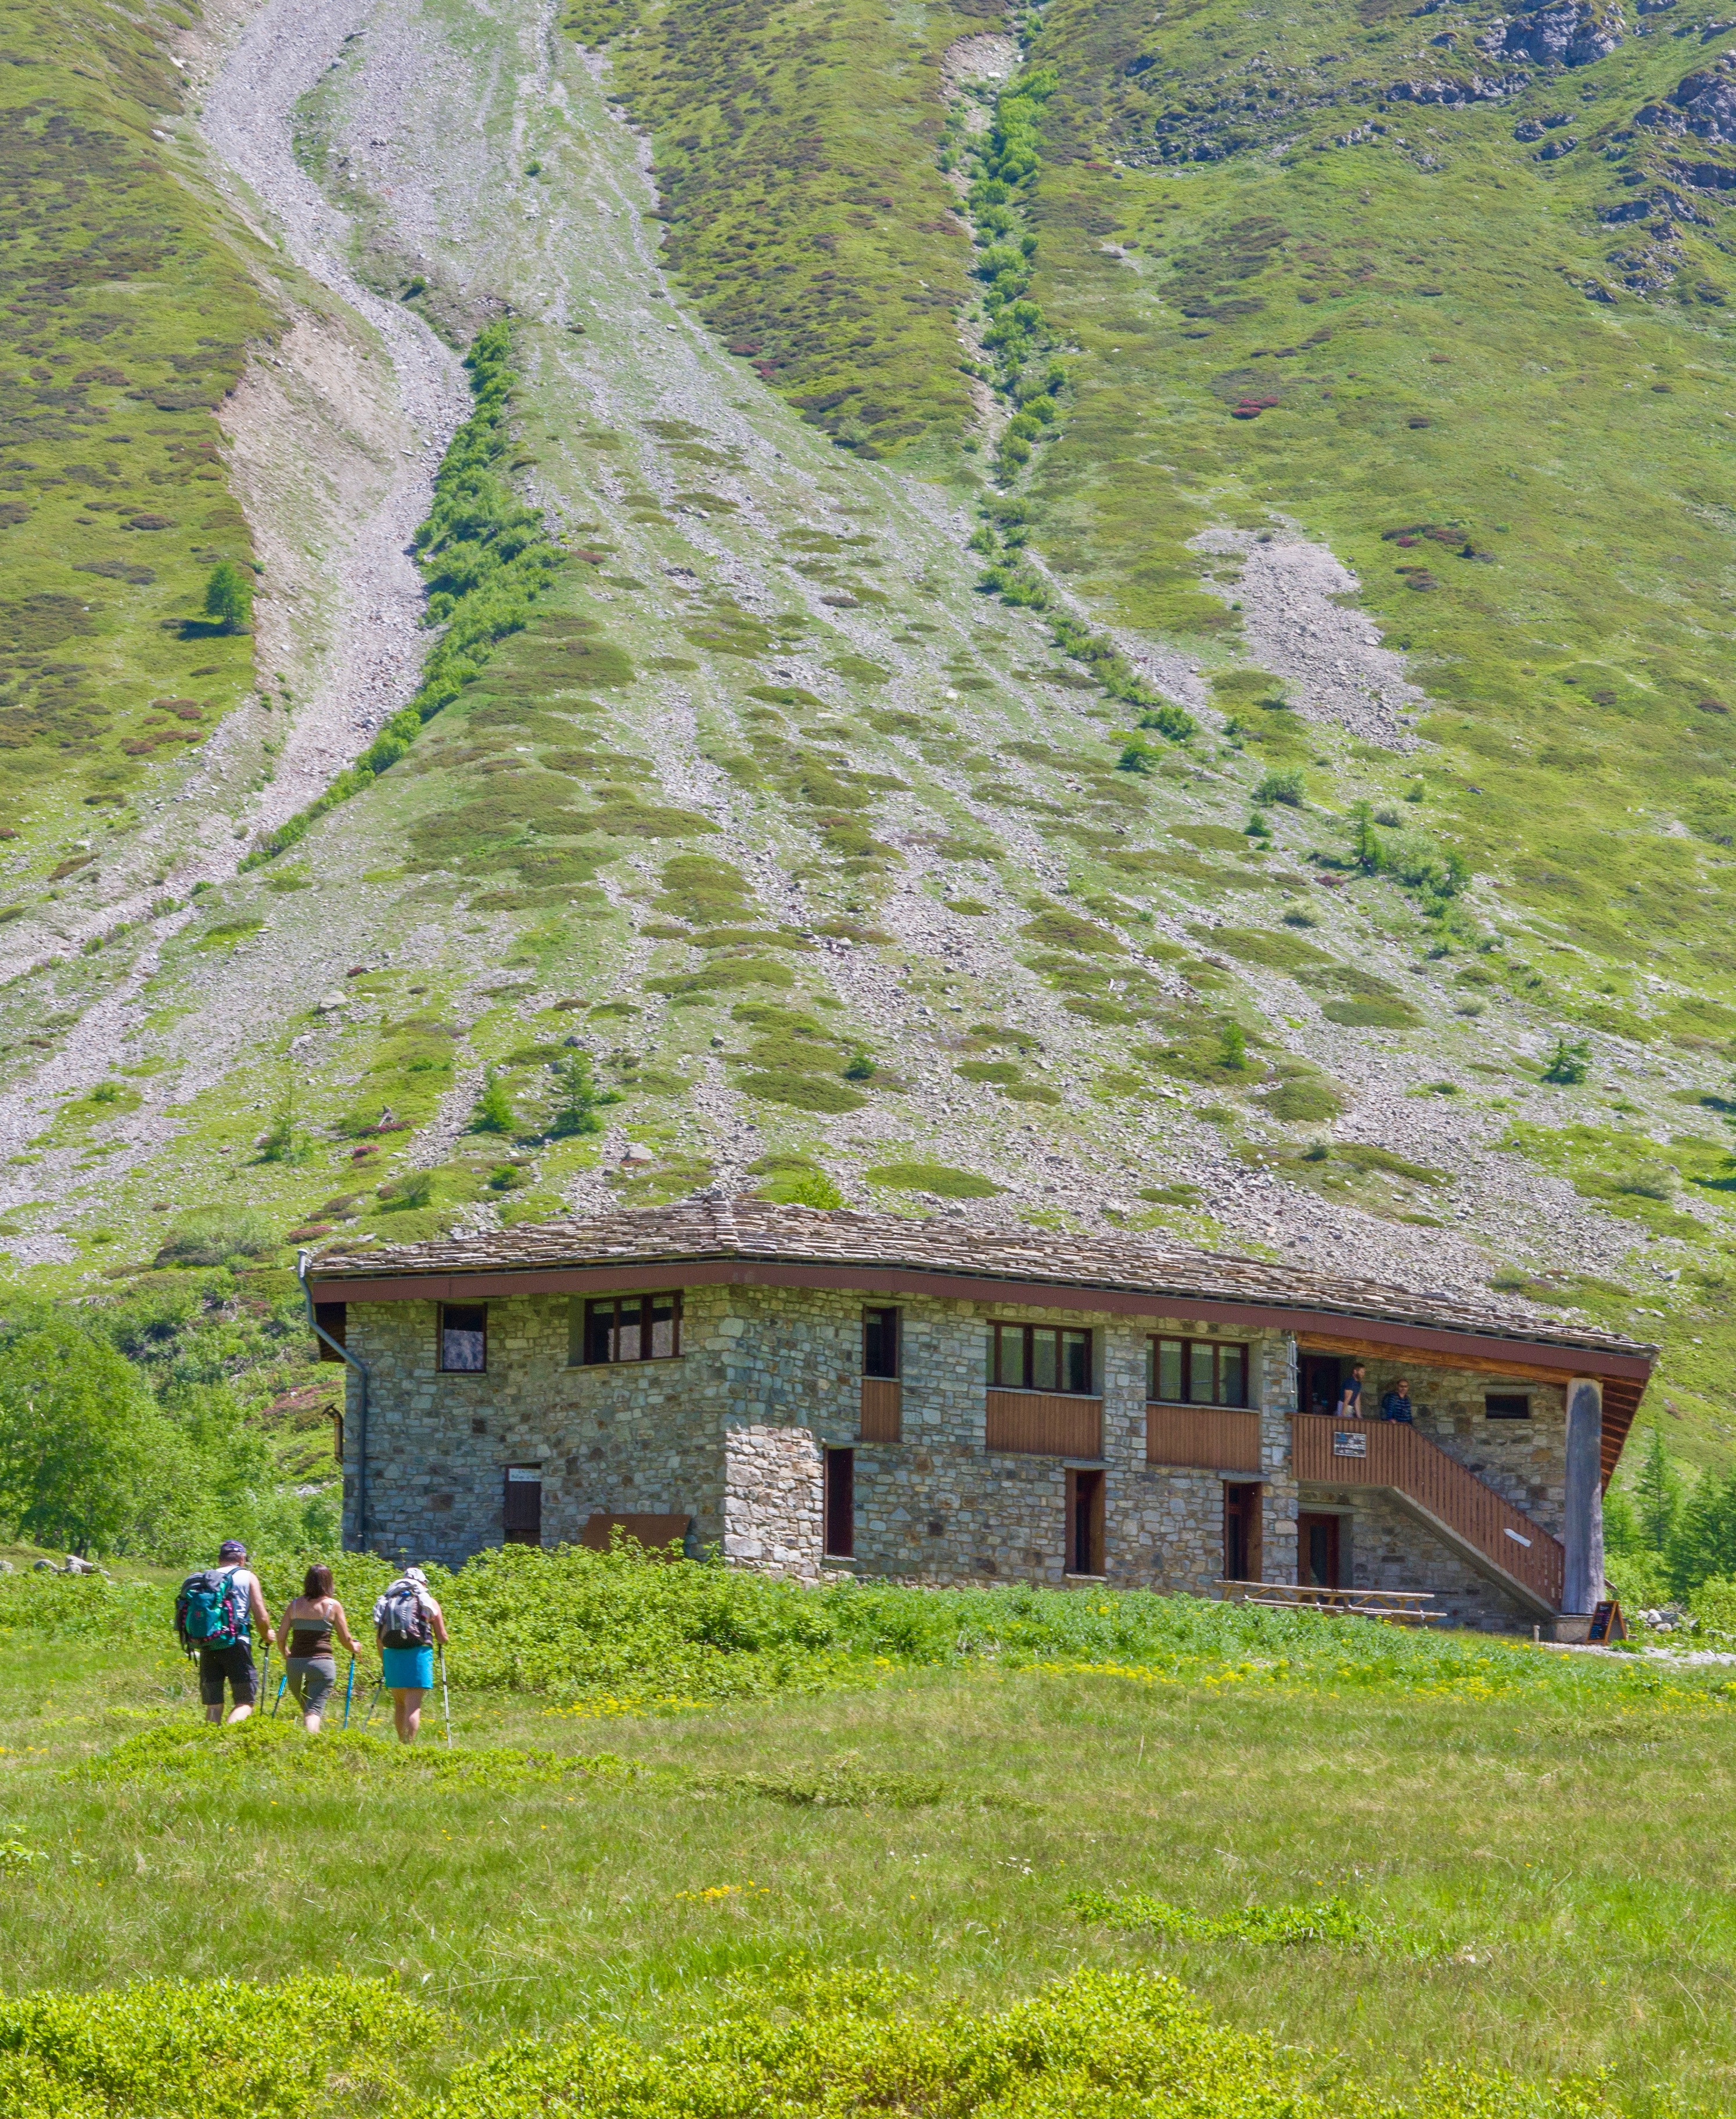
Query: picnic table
x,y
1398,1607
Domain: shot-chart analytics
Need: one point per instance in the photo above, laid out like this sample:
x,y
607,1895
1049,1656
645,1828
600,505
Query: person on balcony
x,y
1397,1404
1350,1398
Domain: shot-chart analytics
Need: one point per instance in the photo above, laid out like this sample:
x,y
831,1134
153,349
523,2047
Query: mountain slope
x,y
957,806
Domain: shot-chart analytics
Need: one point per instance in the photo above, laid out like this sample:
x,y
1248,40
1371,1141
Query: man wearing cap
x,y
235,1662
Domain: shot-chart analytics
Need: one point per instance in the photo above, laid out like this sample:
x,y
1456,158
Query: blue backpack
x,y
211,1610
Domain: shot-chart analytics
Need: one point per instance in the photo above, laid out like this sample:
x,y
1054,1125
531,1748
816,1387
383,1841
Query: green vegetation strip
x,y
602,1633
486,560
1099,2045
1332,1920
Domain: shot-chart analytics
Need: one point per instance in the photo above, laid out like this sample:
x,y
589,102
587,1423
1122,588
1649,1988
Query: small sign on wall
x,y
1344,1444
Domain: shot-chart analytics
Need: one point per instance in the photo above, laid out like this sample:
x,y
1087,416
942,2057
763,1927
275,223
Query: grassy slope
x,y
767,659
1522,1930
126,311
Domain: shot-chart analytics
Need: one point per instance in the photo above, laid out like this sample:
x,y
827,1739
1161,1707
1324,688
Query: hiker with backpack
x,y
215,1613
310,1669
407,1622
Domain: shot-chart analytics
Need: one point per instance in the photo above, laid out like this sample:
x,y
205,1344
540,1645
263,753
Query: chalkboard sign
x,y
1345,1443
1607,1622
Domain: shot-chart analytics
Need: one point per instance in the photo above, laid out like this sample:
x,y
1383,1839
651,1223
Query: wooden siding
x,y
1046,1423
883,1410
1393,1454
1209,1438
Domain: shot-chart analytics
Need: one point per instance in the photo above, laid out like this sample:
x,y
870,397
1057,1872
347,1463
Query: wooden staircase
x,y
1487,1532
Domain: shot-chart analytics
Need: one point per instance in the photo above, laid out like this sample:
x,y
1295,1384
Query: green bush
x,y
209,1236
1289,788
220,2050
1098,2045
844,2043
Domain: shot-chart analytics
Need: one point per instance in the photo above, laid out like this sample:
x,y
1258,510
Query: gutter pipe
x,y
360,1366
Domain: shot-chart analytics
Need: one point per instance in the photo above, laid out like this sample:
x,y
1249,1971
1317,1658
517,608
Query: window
x,y
880,1342
1196,1372
332,1319
464,1336
1043,1357
1507,1405
627,1327
840,1503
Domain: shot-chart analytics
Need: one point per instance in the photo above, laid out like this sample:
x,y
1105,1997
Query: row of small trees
x,y
1672,1534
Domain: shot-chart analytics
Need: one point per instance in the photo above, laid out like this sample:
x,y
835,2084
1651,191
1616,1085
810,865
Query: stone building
x,y
809,1390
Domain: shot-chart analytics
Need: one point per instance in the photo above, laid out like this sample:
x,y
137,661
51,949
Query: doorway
x,y
1084,1523
1319,1383
1317,1549
522,1514
840,1498
1241,1560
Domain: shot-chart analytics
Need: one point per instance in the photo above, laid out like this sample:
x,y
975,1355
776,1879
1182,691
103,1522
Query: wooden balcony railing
x,y
1391,1454
1044,1423
883,1410
1209,1438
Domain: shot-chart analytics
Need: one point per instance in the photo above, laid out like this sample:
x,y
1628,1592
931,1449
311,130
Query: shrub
x,y
1289,788
1233,1047
1569,1062
1308,1101
208,1236
802,1188
221,2049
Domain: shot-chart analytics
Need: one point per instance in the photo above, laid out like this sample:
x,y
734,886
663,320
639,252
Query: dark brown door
x,y
1240,1531
1317,1552
522,1514
840,1503
1084,1523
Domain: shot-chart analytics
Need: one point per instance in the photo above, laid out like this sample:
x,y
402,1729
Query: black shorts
x,y
235,1663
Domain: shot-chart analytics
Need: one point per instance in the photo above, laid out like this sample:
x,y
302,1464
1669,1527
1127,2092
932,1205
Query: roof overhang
x,y
1490,1351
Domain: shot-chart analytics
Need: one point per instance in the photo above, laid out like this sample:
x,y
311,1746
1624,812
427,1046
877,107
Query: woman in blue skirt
x,y
407,1622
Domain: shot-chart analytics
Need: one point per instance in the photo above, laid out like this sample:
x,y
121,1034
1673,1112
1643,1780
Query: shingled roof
x,y
710,1229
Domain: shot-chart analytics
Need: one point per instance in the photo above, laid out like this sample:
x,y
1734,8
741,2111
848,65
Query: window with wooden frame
x,y
880,1342
1196,1372
1040,1357
624,1328
464,1338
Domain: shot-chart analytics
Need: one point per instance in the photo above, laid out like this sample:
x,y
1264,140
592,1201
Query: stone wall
x,y
732,1434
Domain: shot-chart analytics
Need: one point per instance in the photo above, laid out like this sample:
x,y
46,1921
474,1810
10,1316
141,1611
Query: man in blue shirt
x,y
1397,1404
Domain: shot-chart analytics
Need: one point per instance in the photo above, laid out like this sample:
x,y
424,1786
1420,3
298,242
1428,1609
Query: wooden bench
x,y
1400,1607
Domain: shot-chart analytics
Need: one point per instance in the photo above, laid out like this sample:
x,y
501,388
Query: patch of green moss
x,y
939,1178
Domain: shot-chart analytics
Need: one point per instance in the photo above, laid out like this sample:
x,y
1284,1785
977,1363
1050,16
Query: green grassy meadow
x,y
1535,1848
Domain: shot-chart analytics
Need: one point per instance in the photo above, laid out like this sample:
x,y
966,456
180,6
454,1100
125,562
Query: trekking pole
x,y
446,1699
373,1703
278,1701
265,1675
348,1683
